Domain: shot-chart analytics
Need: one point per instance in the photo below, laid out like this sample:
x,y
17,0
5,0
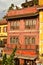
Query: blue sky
x,y
4,5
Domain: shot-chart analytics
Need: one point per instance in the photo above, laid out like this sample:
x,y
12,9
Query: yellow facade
x,y
3,34
40,2
40,31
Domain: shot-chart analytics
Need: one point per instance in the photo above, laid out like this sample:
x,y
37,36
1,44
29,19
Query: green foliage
x,y
12,57
9,60
35,2
4,61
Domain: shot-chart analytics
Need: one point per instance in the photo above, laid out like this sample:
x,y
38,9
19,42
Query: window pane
x,y
26,22
11,40
17,23
30,40
11,23
33,40
34,21
27,40
17,40
4,29
30,23
14,39
14,23
0,29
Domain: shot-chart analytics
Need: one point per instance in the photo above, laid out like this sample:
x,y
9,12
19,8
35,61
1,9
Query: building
x,y
41,30
3,35
23,32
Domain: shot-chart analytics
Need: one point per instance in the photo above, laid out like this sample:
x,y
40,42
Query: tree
x,y
35,2
9,60
4,61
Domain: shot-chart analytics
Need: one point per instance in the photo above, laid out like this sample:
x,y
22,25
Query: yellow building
x,y
3,35
41,29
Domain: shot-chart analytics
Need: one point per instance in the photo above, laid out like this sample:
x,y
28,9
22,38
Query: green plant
x,y
4,61
35,2
9,60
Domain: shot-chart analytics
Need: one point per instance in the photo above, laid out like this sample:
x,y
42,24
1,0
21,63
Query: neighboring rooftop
x,y
3,21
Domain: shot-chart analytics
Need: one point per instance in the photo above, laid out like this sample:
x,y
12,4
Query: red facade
x,y
23,34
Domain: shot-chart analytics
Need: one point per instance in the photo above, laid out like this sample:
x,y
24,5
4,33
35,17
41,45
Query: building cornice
x,y
23,16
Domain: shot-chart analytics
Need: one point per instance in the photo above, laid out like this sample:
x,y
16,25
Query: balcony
x,y
23,50
23,47
27,50
28,47
2,44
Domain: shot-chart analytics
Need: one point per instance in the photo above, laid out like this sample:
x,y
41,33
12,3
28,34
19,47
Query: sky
x,y
5,4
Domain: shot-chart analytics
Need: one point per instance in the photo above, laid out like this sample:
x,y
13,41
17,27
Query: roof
x,y
40,7
3,22
22,12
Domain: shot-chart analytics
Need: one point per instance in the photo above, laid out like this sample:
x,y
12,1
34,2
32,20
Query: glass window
x,y
0,29
1,43
30,23
34,23
29,40
14,25
0,54
33,40
4,29
14,40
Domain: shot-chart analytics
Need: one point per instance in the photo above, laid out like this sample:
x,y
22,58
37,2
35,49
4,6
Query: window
x,y
29,40
0,54
33,40
0,29
4,29
14,40
14,25
30,23
34,23
1,43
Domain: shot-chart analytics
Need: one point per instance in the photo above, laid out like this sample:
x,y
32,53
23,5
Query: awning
x,y
26,57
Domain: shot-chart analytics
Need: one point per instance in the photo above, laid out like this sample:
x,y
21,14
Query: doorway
x,y
16,61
